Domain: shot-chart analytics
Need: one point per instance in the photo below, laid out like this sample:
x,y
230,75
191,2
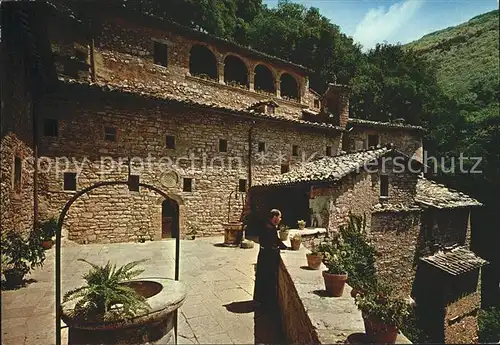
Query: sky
x,y
395,21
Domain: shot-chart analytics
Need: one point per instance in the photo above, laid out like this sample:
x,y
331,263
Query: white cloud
x,y
379,25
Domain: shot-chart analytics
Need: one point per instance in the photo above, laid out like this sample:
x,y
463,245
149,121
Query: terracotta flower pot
x,y
314,261
295,244
47,244
334,283
378,331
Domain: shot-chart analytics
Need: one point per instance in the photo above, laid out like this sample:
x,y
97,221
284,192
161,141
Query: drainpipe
x,y
92,60
250,140
34,102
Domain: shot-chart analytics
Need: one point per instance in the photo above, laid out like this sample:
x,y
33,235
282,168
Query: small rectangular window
x,y
295,150
110,133
222,145
50,128
373,140
285,168
328,151
17,174
160,52
242,185
270,109
187,184
316,103
170,142
262,146
384,185
69,181
359,145
133,183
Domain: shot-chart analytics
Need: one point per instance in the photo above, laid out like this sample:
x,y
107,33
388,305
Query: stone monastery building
x,y
220,128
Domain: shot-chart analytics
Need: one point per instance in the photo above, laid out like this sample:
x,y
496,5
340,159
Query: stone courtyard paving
x,y
217,310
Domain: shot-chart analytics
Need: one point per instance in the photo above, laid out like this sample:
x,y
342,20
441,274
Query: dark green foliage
x,y
21,253
354,234
105,298
380,302
489,325
47,229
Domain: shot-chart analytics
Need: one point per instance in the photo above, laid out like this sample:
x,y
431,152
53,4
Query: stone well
x,y
165,296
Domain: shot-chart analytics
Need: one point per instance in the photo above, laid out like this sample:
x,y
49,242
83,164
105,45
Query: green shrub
x,y
362,272
489,325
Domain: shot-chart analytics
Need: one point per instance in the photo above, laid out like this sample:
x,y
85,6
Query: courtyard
x,y
219,282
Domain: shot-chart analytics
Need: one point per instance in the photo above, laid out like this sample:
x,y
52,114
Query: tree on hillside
x,y
302,35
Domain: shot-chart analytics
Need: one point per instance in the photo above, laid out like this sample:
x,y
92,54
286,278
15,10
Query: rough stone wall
x,y
402,182
17,206
395,236
124,56
405,140
142,127
460,326
450,226
355,194
296,323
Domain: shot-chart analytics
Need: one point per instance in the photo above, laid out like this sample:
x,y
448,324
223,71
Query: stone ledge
x,y
307,313
307,232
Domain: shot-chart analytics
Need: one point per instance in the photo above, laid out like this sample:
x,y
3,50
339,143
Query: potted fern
x,y
111,308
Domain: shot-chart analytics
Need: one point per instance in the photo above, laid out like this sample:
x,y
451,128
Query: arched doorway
x,y
169,219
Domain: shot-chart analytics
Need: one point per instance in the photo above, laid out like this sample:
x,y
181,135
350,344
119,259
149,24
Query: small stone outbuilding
x,y
420,228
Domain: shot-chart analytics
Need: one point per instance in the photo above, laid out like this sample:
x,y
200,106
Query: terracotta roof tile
x,y
327,168
455,261
433,194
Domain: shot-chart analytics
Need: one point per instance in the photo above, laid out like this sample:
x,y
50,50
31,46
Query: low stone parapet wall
x,y
308,314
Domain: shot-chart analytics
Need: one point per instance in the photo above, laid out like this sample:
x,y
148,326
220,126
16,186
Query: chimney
x,y
335,103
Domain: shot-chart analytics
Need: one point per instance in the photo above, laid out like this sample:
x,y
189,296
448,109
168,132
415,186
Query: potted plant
x,y
338,262
47,231
383,313
314,258
295,241
283,232
113,309
20,255
302,224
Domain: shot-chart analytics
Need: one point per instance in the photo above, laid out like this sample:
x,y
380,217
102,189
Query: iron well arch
x,y
60,222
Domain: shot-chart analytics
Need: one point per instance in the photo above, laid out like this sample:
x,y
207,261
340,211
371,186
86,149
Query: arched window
x,y
202,62
289,87
264,80
235,71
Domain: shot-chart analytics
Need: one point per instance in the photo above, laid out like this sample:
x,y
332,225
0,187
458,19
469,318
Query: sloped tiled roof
x,y
433,194
327,168
456,261
159,94
370,123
